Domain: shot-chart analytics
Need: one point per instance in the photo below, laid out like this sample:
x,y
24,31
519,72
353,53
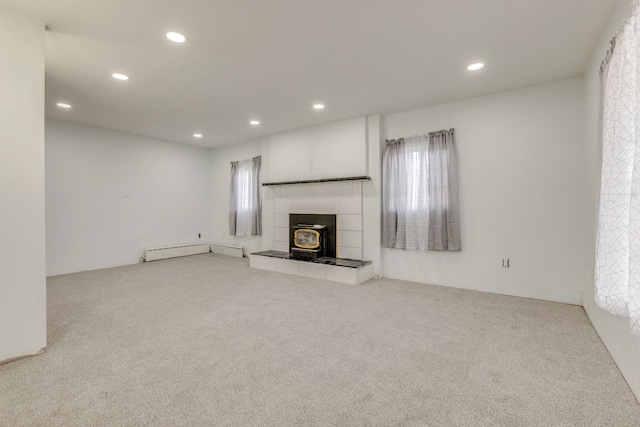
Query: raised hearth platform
x,y
349,271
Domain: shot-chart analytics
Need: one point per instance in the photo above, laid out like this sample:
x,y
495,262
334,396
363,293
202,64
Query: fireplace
x,y
312,236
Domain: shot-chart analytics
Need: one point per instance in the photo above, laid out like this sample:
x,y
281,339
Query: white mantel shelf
x,y
317,181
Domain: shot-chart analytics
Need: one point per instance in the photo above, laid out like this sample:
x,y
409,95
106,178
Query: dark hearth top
x,y
340,262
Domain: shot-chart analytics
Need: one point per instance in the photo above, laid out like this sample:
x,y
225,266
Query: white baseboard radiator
x,y
155,254
225,249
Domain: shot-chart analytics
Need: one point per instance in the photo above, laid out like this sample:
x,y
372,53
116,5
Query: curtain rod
x,y
438,132
246,160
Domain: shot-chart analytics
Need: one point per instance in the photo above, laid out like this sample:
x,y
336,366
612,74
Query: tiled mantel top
x,y
314,181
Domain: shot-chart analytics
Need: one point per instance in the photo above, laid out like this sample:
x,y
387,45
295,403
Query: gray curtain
x,y
444,201
245,200
256,197
233,199
392,165
421,208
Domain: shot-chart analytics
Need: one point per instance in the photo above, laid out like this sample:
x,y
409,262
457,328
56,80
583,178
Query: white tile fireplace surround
x,y
341,198
344,199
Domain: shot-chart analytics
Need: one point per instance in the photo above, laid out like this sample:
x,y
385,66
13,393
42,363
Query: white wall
x,y
340,149
372,195
221,159
328,151
614,330
521,193
110,195
22,233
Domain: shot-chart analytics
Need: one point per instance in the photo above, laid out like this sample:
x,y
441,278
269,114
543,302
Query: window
x,y
420,193
417,194
244,187
245,203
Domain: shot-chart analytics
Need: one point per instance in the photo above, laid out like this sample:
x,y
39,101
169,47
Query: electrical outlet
x,y
505,262
199,235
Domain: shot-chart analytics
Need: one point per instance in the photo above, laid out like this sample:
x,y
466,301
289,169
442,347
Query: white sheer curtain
x,y
617,272
407,197
245,204
420,193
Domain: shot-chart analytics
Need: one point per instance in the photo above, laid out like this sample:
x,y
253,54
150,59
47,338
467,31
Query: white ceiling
x,y
271,60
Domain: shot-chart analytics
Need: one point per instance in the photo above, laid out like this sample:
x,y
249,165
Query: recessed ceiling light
x,y
63,105
120,76
254,122
176,37
197,135
475,67
318,106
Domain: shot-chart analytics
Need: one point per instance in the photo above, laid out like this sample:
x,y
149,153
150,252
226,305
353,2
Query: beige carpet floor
x,y
207,341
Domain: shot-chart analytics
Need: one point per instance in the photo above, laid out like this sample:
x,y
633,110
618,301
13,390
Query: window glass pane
x,y
244,187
